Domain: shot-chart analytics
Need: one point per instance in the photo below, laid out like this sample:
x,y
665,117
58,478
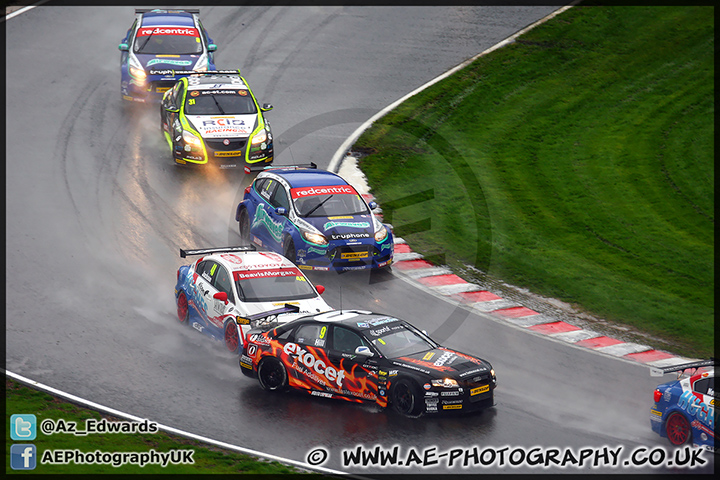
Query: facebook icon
x,y
22,456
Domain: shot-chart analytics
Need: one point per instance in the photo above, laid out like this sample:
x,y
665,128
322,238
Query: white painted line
x,y
165,428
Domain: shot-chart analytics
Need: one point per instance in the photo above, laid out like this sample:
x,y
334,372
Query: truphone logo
x,y
23,457
23,427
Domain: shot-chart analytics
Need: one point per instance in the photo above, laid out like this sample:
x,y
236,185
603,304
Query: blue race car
x,y
315,219
159,43
684,410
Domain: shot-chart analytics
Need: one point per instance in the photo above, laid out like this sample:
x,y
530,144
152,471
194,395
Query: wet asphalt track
x,y
96,213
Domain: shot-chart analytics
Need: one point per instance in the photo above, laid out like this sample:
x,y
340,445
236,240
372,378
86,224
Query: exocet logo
x,y
446,357
311,362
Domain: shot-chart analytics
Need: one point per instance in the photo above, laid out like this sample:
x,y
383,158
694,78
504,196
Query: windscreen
x,y
328,201
397,340
219,102
168,40
273,285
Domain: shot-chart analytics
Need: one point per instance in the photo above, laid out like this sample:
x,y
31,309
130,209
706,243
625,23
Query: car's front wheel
x,y
406,398
677,428
272,375
232,337
183,310
244,226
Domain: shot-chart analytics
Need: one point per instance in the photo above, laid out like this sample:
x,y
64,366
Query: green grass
x,y
20,399
577,162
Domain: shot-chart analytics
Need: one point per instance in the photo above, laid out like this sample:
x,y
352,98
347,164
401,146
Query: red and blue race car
x,y
314,218
684,409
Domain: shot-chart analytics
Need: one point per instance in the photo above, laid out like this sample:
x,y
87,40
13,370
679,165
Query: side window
x,y
200,268
311,334
176,95
280,198
209,270
345,340
223,283
706,386
266,187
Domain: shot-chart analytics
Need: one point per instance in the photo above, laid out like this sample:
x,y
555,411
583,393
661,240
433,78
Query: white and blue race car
x,y
229,290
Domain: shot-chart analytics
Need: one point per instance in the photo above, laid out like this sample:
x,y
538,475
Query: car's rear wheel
x,y
183,311
289,249
406,398
272,375
244,226
677,428
232,337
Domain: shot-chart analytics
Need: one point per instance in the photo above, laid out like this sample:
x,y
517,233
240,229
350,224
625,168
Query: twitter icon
x,y
23,427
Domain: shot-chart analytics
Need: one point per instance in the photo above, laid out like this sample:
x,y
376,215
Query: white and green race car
x,y
212,118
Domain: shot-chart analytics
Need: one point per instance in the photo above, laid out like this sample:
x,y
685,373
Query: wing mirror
x,y
372,204
364,351
320,289
281,211
266,107
123,47
212,47
222,296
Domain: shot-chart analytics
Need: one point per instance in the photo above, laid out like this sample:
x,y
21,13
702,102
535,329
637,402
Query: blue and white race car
x,y
158,43
229,290
684,410
315,218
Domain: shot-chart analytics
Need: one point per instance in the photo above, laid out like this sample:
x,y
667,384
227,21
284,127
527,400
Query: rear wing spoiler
x,y
264,318
194,11
207,251
260,168
660,371
170,71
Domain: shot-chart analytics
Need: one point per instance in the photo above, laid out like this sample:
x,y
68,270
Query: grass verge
x,y
20,399
576,162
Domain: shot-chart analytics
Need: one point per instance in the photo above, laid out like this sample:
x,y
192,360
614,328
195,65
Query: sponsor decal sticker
x,y
353,255
228,154
452,407
183,31
479,390
303,192
168,61
330,225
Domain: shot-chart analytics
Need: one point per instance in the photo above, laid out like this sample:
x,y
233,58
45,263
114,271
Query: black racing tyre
x,y
232,337
289,249
183,310
244,226
678,429
406,398
272,375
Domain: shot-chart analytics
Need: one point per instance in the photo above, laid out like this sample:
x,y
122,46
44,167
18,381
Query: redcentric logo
x,y
187,32
329,190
